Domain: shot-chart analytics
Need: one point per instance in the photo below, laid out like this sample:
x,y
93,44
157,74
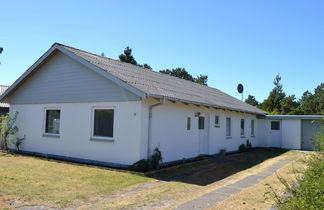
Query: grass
x,y
256,196
188,186
309,191
56,183
212,171
38,181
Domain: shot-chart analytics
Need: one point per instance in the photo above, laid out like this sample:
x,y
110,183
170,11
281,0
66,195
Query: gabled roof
x,y
3,88
147,83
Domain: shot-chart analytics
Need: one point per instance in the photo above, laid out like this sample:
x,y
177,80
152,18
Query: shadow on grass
x,y
215,168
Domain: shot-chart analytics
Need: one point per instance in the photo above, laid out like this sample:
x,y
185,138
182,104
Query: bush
x,y
8,128
144,165
156,158
247,147
222,152
307,192
242,148
141,165
319,140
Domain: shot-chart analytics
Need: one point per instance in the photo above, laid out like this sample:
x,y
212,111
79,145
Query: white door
x,y
275,133
203,129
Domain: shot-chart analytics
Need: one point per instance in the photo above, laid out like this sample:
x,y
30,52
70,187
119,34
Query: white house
x,y
75,104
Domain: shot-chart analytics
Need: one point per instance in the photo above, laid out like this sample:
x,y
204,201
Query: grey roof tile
x,y
161,85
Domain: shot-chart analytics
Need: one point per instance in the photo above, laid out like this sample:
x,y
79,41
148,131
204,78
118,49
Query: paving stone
x,y
212,198
228,190
206,201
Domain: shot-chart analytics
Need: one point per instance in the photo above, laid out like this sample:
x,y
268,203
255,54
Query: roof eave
x,y
205,104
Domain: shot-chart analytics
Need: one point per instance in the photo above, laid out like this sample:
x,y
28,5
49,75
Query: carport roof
x,y
293,117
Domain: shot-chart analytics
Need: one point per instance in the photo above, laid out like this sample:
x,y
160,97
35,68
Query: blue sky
x,y
232,42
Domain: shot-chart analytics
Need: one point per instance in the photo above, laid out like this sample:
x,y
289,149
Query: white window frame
x,y
102,138
55,135
230,128
217,125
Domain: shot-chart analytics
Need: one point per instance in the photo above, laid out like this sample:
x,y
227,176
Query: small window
x,y
103,125
252,127
275,125
228,126
242,127
188,123
52,124
201,123
216,121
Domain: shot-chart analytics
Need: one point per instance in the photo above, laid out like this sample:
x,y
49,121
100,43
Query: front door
x,y
203,128
275,133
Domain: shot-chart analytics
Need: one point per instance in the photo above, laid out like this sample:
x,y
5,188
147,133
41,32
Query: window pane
x,y
228,126
242,127
188,123
53,121
275,125
103,122
252,127
216,121
201,123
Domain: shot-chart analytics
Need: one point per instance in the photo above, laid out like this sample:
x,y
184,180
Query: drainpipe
x,y
150,126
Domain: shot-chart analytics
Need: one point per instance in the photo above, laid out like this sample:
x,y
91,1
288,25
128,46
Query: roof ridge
x,y
155,72
125,63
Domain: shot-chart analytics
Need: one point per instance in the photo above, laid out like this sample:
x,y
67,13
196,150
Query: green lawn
x,y
57,183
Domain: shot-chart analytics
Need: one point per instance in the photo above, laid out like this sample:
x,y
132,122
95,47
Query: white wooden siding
x,y
62,79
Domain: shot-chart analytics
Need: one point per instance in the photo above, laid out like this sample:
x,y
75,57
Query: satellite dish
x,y
240,88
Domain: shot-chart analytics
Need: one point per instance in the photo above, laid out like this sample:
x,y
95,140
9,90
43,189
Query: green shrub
x,y
242,148
141,165
156,158
7,128
222,152
310,194
319,140
248,145
144,165
307,192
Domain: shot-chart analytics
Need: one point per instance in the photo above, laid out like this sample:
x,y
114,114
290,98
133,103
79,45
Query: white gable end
x,y
63,80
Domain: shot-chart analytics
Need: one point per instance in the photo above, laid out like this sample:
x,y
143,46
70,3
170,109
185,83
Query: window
x,y
242,127
216,121
275,125
52,123
103,123
188,123
201,123
228,126
252,127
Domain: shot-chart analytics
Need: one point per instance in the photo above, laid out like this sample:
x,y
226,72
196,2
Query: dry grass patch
x,y
59,184
170,194
255,197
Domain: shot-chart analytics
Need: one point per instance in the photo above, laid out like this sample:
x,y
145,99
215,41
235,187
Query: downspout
x,y
149,134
